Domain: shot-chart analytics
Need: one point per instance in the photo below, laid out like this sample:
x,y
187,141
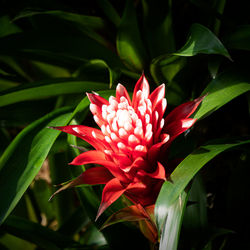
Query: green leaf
x,y
33,232
27,151
172,225
47,89
166,67
221,90
47,70
184,172
195,221
202,41
94,69
35,145
42,191
129,43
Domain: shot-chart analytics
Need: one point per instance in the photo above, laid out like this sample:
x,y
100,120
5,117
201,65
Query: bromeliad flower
x,y
131,146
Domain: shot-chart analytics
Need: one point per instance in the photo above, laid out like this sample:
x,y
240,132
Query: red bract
x,y
131,144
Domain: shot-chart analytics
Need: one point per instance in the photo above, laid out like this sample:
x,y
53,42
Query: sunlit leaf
x,y
202,41
47,89
221,90
172,225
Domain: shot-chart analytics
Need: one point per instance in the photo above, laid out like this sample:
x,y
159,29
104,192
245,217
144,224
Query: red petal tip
x,y
101,209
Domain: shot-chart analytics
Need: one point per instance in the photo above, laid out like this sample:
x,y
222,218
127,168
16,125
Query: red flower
x,y
129,147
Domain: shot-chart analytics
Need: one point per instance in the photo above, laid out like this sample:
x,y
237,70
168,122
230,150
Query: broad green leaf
x,y
221,90
35,142
195,222
240,38
129,43
158,26
27,151
47,89
172,225
33,232
185,171
202,41
42,191
195,219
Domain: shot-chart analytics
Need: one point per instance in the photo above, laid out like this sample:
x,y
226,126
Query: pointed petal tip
x,y
101,209
200,99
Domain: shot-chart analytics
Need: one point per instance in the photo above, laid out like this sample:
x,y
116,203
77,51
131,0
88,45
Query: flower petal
x,y
183,111
92,156
142,84
131,213
96,175
96,99
159,173
179,126
111,192
121,91
92,176
157,95
155,149
98,157
91,135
